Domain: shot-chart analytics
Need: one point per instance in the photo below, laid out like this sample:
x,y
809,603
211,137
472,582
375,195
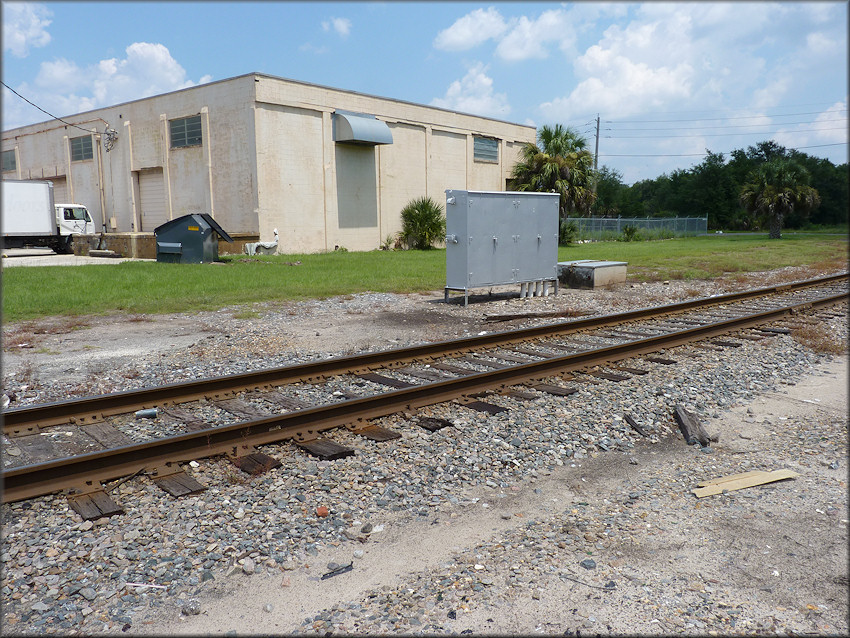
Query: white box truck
x,y
31,218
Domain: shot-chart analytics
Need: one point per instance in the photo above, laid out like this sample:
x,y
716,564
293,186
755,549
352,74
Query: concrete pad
x,y
589,273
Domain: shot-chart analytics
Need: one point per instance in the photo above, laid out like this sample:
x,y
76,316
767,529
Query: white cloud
x,y
62,87
832,124
822,45
24,27
309,47
474,94
529,38
618,85
518,39
471,30
342,26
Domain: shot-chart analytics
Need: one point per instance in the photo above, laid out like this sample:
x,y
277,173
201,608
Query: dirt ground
x,y
770,550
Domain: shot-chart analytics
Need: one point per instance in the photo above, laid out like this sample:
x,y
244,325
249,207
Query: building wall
x,y
268,161
218,177
290,177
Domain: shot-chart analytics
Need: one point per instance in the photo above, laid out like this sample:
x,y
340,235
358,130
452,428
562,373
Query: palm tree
x,y
775,189
422,223
558,163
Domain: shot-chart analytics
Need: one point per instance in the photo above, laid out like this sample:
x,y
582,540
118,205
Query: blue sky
x,y
667,80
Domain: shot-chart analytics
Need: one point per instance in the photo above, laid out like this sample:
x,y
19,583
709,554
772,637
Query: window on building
x,y
186,132
81,148
485,149
9,163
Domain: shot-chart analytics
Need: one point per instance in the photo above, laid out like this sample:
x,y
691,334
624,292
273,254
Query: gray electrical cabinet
x,y
496,238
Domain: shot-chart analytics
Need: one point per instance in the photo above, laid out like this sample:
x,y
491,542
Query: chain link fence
x,y
602,228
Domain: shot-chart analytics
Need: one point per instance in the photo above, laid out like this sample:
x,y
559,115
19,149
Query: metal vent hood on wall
x,y
359,128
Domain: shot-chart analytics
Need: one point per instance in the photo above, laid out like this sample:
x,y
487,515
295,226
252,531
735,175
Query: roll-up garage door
x,y
60,190
152,196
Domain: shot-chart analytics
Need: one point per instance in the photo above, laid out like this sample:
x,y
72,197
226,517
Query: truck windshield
x,y
76,214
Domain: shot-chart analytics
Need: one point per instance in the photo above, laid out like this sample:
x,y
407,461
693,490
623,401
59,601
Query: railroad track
x,y
263,407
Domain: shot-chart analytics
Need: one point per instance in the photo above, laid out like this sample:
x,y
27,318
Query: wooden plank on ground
x,y
731,477
754,479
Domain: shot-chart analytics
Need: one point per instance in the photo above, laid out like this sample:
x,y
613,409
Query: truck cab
x,y
74,219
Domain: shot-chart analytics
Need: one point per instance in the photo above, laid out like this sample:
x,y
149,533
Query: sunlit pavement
x,y
46,257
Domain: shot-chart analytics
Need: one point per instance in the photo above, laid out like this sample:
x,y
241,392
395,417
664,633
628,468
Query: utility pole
x,y
596,158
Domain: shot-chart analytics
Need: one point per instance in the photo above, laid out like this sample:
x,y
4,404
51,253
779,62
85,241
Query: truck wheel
x,y
65,246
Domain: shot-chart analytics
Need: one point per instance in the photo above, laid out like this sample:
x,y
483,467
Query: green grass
x,y
714,256
145,287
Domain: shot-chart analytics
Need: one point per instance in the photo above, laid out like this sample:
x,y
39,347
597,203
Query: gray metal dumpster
x,y
191,239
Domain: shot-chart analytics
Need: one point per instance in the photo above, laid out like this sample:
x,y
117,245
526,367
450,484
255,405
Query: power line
x,y
654,137
42,110
709,119
685,128
708,153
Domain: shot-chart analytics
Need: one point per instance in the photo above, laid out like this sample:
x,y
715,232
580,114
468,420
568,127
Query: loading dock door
x,y
151,199
60,190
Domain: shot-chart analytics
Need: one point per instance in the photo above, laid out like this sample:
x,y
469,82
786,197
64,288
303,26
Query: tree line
x,y
763,187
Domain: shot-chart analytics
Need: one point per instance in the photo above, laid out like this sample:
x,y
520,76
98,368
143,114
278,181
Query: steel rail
x,y
31,419
303,425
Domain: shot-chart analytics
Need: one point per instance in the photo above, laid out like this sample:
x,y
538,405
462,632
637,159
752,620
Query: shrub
x,y
569,233
422,223
631,233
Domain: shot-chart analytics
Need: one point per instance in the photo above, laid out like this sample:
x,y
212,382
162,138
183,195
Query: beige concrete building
x,y
326,167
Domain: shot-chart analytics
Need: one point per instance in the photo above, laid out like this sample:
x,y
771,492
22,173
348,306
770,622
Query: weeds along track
x,y
76,445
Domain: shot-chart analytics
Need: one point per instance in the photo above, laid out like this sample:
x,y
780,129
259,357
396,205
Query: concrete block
x,y
589,273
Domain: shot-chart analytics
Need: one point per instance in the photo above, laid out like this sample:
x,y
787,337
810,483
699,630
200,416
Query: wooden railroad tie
x,y
171,478
432,424
481,406
92,502
325,449
691,427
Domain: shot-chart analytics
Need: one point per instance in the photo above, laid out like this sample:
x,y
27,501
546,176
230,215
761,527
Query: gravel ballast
x,y
555,516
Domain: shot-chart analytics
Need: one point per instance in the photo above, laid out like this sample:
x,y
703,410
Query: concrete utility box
x,y
191,239
587,273
495,238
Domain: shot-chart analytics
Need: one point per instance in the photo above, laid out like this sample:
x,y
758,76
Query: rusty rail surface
x,y
307,424
84,410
